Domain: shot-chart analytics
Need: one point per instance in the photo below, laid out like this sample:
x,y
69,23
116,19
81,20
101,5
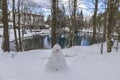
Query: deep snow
x,y
84,62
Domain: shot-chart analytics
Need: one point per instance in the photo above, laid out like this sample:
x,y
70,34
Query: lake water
x,y
44,42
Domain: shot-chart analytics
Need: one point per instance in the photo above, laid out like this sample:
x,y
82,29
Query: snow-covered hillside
x,y
85,63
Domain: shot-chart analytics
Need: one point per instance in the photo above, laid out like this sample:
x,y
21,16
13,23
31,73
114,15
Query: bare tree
x,y
94,21
74,15
74,20
69,24
105,22
14,25
0,4
20,42
6,45
54,19
112,9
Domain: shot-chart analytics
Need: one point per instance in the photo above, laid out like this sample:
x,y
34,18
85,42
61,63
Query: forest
x,y
59,39
64,20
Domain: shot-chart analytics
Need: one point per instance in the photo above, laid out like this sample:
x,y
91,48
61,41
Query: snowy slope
x,y
85,63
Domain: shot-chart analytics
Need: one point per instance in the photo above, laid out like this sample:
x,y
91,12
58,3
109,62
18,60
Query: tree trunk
x,y
105,22
74,15
69,24
112,12
6,45
20,42
110,25
54,19
74,27
14,25
94,22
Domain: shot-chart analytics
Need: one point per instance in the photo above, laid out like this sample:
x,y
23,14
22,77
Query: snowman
x,y
56,62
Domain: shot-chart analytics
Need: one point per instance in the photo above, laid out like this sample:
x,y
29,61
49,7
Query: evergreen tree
x,y
61,17
80,20
48,22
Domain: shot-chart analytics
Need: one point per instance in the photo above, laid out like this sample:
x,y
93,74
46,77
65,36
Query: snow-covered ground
x,y
28,33
85,63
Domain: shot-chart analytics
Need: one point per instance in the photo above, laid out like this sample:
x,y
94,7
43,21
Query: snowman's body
x,y
56,61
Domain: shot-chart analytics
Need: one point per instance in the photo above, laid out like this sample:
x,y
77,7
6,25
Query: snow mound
x,y
1,78
56,62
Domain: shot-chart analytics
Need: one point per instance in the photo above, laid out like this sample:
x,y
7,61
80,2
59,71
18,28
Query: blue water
x,y
44,42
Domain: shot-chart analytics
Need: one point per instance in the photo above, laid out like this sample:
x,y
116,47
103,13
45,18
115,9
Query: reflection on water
x,y
44,42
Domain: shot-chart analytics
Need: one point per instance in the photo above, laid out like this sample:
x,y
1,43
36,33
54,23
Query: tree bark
x,y
6,45
74,27
14,25
20,42
110,25
94,22
54,20
112,12
105,22
74,15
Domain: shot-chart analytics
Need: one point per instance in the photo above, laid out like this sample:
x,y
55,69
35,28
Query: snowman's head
x,y
56,48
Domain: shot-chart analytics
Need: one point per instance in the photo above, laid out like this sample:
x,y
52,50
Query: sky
x,y
46,4
85,5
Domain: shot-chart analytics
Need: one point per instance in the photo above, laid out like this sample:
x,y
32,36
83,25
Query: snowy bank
x,y
86,63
